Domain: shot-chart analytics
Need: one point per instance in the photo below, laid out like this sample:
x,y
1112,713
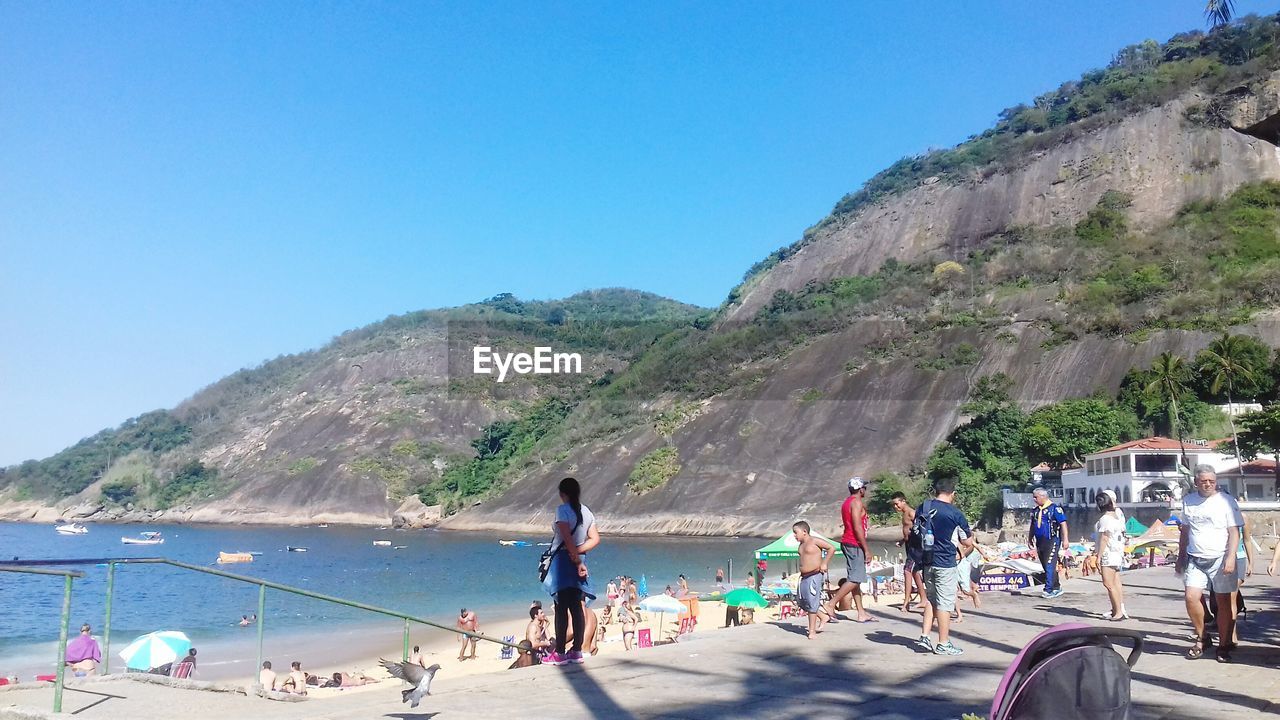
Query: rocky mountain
x,y
1118,217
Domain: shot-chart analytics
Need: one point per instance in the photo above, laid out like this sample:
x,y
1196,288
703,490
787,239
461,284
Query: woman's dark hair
x,y
1104,502
569,486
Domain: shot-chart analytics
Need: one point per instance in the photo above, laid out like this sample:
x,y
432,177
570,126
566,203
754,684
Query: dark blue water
x,y
435,575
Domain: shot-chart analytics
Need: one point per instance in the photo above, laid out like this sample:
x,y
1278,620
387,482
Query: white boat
x,y
295,548
72,529
142,541
150,535
399,547
382,543
514,543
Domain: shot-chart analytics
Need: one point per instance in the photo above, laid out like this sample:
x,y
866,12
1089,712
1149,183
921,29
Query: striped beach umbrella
x,y
155,649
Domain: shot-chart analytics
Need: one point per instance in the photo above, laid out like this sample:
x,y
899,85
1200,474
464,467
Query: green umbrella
x,y
745,597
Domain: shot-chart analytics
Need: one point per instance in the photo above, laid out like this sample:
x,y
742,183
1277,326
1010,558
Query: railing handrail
x,y
261,582
9,567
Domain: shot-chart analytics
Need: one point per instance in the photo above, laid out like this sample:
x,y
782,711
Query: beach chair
x,y
182,670
507,652
644,638
686,627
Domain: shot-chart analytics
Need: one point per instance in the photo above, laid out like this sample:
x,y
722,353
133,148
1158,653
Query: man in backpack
x,y
937,520
1048,529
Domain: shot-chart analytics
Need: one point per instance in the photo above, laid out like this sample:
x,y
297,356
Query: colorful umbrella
x,y
662,604
745,597
155,649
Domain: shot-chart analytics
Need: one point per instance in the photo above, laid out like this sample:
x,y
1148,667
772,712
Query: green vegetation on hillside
x,y
654,470
76,468
1139,77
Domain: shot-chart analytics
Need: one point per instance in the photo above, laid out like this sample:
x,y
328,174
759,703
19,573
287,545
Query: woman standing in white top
x,y
567,578
1110,553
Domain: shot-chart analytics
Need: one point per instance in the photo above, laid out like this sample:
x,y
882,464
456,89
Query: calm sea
x,y
435,574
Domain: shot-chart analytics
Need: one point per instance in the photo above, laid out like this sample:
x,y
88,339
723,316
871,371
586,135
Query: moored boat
x,y
146,539
225,558
294,548
382,543
72,529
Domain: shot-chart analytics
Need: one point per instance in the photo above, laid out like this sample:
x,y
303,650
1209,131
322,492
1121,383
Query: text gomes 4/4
x,y
542,361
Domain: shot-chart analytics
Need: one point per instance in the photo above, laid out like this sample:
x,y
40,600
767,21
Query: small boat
x,y
544,544
150,534
143,540
295,548
399,547
256,554
238,557
382,543
514,543
323,525
72,529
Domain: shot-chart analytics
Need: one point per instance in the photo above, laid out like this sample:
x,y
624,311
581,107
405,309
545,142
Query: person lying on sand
x,y
341,680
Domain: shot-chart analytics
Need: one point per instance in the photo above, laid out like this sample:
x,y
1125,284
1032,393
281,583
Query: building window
x,y
1155,463
1127,496
1124,465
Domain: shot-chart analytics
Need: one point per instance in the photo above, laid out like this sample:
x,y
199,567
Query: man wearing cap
x,y
854,546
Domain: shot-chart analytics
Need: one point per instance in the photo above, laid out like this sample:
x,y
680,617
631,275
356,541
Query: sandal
x,y
1195,651
1223,656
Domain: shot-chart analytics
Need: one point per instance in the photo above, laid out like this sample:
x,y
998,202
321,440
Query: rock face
x,y
1156,157
752,463
412,514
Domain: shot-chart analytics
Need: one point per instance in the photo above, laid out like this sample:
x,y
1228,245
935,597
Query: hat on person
x,y
1111,494
857,483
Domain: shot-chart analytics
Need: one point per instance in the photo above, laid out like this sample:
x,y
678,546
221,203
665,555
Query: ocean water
x,y
432,577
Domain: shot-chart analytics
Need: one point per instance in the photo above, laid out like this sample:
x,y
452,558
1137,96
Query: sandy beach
x,y
443,650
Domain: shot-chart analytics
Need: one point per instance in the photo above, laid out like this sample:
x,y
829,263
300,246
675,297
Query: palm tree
x,y
1219,12
1228,364
1169,377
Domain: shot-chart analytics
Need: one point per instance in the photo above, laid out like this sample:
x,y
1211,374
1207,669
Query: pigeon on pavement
x,y
414,674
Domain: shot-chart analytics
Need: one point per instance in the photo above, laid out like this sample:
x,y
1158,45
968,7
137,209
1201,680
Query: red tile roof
x,y
1254,467
1160,443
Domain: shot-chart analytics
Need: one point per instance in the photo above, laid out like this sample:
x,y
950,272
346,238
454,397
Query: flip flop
x,y
1195,652
868,620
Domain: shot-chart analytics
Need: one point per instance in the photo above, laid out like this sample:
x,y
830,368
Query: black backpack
x,y
1069,672
923,523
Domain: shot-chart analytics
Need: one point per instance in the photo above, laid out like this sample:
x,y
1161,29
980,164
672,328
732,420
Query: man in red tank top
x,y
854,546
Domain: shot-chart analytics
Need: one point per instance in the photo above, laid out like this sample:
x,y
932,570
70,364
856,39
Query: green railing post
x,y
106,621
262,616
62,645
405,658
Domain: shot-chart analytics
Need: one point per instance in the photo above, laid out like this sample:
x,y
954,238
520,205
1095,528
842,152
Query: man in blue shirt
x,y
936,521
1047,536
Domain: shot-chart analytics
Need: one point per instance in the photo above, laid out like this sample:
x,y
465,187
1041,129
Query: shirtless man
x,y
536,632
912,577
814,555
468,621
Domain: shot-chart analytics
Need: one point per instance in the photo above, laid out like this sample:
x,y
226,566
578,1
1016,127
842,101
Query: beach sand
x,y
443,650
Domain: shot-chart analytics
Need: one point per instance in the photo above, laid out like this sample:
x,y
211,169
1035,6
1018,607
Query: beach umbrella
x,y
643,586
745,597
155,649
662,604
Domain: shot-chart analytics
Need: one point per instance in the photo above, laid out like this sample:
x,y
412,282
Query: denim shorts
x,y
1205,573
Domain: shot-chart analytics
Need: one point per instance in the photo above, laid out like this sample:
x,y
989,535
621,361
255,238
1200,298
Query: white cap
x,y
1112,494
857,483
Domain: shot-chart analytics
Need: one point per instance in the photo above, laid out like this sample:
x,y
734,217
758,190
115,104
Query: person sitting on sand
x,y
535,632
416,658
267,677
591,633
526,658
296,683
669,592
83,653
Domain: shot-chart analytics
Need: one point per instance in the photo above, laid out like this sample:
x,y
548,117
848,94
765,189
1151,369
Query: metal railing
x,y
263,585
68,576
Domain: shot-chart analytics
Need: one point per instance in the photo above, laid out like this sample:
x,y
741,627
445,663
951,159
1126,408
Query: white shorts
x,y
1204,573
1111,559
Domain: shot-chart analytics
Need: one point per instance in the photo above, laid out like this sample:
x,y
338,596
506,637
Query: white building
x,y
1147,471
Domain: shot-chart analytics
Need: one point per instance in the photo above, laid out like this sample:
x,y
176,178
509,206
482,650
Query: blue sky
x,y
191,188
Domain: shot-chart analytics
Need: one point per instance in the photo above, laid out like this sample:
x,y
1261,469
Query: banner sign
x,y
1003,581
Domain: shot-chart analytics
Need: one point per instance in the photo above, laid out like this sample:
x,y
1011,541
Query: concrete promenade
x,y
868,670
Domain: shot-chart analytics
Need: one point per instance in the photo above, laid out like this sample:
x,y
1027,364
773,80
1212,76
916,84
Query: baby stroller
x,y
1067,672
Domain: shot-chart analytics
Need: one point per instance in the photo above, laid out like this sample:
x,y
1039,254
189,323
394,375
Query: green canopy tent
x,y
788,549
1133,528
